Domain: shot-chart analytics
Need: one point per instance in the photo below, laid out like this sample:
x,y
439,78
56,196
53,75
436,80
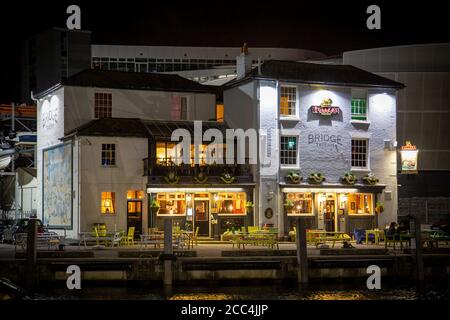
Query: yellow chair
x,y
130,236
194,240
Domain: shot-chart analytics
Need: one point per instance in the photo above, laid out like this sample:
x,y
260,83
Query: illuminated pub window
x,y
219,112
108,202
299,203
288,101
169,154
171,203
232,203
360,203
135,194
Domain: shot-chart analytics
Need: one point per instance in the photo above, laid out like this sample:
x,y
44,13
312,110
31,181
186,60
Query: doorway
x,y
327,207
134,216
201,217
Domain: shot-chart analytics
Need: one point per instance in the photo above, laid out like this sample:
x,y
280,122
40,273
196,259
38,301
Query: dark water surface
x,y
436,291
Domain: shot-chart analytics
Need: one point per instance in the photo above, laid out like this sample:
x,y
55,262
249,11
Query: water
x,y
438,291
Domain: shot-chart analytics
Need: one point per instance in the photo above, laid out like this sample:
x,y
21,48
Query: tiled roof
x,y
316,73
136,81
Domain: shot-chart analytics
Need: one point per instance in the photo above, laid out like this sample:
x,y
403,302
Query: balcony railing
x,y
155,169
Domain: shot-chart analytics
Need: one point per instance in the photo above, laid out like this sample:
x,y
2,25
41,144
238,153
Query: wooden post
x,y
168,251
31,254
419,256
302,254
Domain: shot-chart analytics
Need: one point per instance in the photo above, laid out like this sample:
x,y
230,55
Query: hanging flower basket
x,y
294,177
249,206
289,204
227,178
172,178
379,207
155,206
349,178
201,177
370,179
316,177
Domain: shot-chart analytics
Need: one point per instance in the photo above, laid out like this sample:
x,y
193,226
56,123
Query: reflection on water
x,y
269,292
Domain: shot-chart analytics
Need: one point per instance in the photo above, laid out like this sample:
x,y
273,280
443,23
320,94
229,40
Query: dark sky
x,y
327,26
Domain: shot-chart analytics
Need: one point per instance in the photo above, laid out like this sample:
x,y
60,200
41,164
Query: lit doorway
x,y
327,208
201,217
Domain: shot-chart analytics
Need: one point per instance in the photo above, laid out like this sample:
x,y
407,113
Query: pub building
x,y
327,143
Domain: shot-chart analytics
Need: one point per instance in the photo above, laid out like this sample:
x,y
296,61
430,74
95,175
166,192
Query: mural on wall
x,y
57,187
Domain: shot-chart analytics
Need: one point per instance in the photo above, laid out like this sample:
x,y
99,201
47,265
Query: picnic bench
x,y
318,237
43,240
262,238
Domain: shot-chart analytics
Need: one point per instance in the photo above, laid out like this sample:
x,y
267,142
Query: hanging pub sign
x,y
409,155
326,108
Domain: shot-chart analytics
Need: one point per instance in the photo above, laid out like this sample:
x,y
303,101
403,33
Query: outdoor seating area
x,y
47,240
252,236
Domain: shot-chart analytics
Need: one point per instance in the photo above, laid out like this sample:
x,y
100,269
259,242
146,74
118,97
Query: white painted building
x,y
79,174
330,120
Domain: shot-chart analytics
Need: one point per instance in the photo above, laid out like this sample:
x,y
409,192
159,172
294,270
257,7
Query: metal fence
x,y
13,214
430,210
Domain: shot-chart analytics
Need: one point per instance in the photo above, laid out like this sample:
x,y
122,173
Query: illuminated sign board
x,y
409,155
326,108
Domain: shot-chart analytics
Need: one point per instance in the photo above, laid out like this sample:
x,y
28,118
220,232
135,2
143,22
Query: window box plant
x,y
249,206
379,207
172,177
349,178
294,177
370,179
316,177
201,177
227,178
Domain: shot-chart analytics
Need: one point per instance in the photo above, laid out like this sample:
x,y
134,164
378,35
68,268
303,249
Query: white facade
x,y
256,104
69,107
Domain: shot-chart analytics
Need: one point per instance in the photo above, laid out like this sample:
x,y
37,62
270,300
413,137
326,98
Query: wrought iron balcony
x,y
156,170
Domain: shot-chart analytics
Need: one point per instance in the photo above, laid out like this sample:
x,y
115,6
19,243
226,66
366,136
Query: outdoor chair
x,y
396,238
117,238
130,236
252,229
194,240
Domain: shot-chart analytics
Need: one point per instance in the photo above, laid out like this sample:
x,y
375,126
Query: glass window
x,y
231,202
288,101
103,105
108,154
135,194
359,153
219,112
298,203
359,104
179,108
108,202
171,203
288,151
360,203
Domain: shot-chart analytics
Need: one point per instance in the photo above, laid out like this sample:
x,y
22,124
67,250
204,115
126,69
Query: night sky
x,y
327,26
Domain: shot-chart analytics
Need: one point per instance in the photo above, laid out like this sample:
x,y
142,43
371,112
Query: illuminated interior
x,y
360,203
171,203
301,203
231,203
219,112
135,194
169,154
108,202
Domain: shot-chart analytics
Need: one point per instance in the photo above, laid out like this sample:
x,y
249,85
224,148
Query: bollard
x,y
31,254
168,251
419,256
302,253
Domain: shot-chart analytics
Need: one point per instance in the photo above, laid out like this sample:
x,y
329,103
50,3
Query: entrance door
x,y
330,213
134,216
201,217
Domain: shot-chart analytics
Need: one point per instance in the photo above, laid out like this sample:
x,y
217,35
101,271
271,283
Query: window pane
x,y
288,101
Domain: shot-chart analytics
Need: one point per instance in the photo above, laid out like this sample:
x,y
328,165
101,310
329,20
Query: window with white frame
x,y
179,108
108,154
360,153
103,105
289,151
359,108
288,101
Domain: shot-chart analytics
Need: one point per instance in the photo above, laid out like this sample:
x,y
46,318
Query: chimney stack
x,y
243,62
